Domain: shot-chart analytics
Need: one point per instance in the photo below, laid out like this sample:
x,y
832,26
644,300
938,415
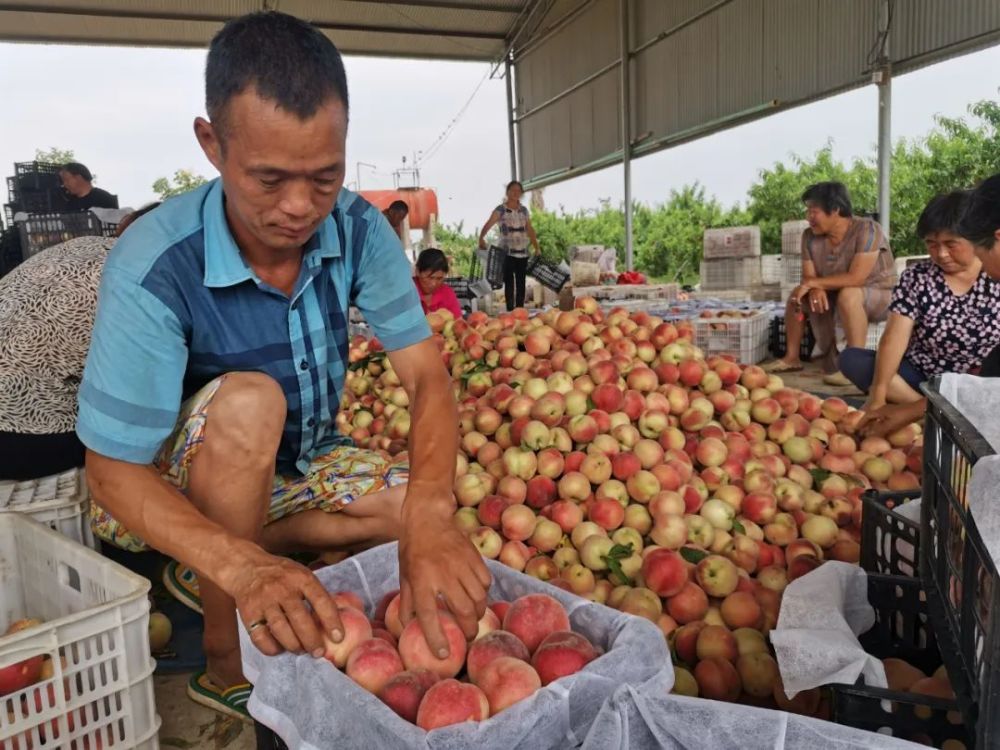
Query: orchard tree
x,y
183,181
54,155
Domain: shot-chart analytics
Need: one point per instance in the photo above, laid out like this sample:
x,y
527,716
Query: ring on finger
x,y
261,623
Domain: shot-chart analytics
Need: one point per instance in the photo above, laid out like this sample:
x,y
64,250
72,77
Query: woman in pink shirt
x,y
432,268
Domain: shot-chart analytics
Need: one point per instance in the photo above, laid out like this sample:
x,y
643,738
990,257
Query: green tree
x,y
457,245
54,155
183,181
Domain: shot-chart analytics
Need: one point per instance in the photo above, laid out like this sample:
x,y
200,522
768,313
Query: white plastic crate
x,y
791,269
875,331
60,501
909,260
94,635
731,242
791,236
730,273
723,295
772,269
742,337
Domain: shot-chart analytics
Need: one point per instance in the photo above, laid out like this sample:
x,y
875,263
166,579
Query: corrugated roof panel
x,y
739,82
920,28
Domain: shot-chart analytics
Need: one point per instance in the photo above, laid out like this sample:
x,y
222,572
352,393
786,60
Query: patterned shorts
x,y
335,478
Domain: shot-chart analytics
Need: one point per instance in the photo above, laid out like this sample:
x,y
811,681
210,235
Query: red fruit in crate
x,y
21,675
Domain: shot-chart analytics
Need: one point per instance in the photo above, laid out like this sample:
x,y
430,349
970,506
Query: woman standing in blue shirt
x,y
516,233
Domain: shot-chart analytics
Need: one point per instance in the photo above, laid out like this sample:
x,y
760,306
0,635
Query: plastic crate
x,y
550,275
791,268
890,543
37,175
791,236
874,335
730,273
495,259
772,269
902,630
744,338
731,242
955,565
95,617
777,342
40,232
60,501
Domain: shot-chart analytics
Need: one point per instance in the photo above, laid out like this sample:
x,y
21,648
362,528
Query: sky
x,y
128,112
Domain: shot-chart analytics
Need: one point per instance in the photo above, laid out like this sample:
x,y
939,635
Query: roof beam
x,y
142,15
453,5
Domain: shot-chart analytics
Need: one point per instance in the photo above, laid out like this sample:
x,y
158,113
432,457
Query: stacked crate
x,y
791,255
731,259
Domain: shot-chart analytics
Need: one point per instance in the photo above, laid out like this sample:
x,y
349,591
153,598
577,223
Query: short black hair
x,y
981,220
830,196
287,60
432,260
943,213
399,206
512,183
78,169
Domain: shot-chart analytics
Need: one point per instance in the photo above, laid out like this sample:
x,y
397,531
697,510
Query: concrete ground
x,y
188,726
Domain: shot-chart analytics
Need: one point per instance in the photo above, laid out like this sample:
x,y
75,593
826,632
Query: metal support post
x,y
626,128
884,81
511,137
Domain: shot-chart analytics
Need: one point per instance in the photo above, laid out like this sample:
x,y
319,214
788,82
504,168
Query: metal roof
x,y
441,29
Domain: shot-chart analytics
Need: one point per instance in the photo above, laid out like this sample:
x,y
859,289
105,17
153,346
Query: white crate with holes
x,y
791,236
791,269
772,269
82,678
730,273
731,242
738,333
60,501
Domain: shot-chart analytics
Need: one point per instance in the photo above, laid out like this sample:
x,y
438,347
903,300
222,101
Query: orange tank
x,y
422,203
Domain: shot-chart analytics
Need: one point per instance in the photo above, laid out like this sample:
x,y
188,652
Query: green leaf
x,y
613,560
621,551
738,528
819,475
693,556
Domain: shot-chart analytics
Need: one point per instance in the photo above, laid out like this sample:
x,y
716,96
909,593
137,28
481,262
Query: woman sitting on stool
x,y
944,315
432,268
979,225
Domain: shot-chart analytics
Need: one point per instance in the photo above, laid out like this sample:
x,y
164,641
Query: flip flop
x,y
232,701
780,366
182,583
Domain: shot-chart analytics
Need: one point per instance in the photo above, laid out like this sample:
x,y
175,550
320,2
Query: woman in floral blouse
x,y
944,315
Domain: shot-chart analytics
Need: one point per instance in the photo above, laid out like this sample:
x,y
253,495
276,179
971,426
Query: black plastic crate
x,y
38,201
495,259
10,250
902,630
777,343
40,232
890,543
461,286
548,274
957,569
266,739
37,175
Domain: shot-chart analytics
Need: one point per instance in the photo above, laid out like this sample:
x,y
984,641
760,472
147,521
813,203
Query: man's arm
x,y
436,559
148,506
889,419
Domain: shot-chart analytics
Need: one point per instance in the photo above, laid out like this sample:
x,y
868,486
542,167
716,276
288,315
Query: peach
x,y
715,641
624,465
684,683
531,618
357,629
546,535
901,675
562,654
515,554
492,646
594,550
804,703
758,672
568,515
820,530
574,485
543,568
373,663
404,691
845,550
740,610
488,623
385,635
518,522
688,605
415,651
773,577
801,565
665,572
643,486
750,641
583,531
451,702
507,680
392,618
685,641
606,513
717,679
717,575
641,602
346,599
638,517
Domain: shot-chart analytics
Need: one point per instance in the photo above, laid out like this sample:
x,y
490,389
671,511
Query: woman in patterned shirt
x,y
944,315
516,233
47,307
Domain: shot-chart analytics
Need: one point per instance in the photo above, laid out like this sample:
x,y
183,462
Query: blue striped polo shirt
x,y
178,306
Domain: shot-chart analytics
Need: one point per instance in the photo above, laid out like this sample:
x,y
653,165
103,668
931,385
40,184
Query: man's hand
x,y
874,403
275,590
889,419
482,244
436,559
